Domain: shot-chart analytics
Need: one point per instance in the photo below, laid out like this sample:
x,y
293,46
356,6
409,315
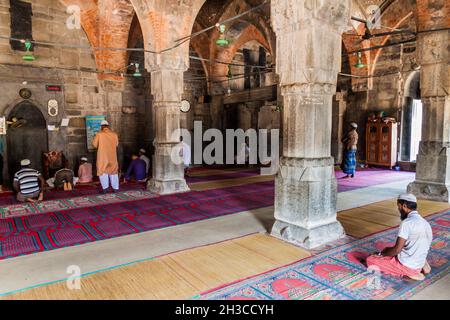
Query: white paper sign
x,y
65,122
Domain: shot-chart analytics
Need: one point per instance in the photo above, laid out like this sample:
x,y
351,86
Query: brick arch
x,y
250,33
197,43
229,10
394,16
106,29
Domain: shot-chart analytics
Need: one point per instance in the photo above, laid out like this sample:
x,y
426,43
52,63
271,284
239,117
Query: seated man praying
x,y
408,257
137,169
64,179
84,171
28,183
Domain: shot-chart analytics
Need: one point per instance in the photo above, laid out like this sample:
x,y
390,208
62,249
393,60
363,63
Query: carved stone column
x,y
167,88
308,60
433,161
339,108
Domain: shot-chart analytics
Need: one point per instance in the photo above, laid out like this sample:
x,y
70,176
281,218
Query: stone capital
x,y
167,85
433,56
310,88
176,60
291,15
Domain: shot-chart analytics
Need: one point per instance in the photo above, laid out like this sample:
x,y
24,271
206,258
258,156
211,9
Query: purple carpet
x,y
371,177
53,230
224,176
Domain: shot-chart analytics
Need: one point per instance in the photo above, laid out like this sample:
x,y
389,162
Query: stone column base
x,y
167,187
308,238
305,202
430,191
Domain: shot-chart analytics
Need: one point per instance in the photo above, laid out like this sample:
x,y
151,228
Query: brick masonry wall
x,y
83,93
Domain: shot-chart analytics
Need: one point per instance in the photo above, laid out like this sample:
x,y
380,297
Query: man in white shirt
x,y
186,153
142,155
408,257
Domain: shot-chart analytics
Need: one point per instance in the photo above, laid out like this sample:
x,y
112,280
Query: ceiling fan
x,y
369,35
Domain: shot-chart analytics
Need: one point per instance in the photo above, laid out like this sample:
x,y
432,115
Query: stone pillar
x,y
433,161
308,60
339,108
167,88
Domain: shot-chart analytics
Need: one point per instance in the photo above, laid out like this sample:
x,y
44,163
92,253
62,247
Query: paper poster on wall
x,y
93,125
2,125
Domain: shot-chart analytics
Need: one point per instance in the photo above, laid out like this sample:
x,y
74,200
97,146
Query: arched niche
x,y
26,137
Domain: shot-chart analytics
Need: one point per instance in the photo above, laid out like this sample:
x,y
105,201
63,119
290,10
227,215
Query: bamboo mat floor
x,y
184,274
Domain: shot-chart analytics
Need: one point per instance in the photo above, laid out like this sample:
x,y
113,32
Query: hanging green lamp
x,y
359,64
222,41
137,73
28,56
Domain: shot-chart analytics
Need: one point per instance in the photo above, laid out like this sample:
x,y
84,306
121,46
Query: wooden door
x,y
384,155
372,143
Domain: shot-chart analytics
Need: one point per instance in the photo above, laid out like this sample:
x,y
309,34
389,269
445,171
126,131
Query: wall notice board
x,y
93,125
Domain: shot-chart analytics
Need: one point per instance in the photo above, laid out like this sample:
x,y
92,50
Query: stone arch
x,y
160,19
21,140
412,85
411,92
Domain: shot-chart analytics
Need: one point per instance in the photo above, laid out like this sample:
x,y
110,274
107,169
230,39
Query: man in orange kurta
x,y
106,142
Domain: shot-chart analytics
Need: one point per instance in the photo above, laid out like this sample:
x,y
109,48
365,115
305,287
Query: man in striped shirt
x,y
28,183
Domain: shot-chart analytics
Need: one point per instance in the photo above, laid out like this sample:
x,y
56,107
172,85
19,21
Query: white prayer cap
x,y
354,125
25,162
105,123
408,197
84,159
142,150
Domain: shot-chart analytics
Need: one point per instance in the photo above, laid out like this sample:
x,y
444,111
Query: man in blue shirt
x,y
137,169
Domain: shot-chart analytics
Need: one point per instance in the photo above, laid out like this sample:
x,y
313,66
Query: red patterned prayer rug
x,y
339,274
58,229
27,208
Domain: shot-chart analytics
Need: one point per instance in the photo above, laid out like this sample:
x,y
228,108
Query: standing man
x,y
146,160
350,141
106,142
408,257
186,154
28,183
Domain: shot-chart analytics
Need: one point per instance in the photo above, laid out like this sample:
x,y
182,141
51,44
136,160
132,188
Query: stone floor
x,y
46,267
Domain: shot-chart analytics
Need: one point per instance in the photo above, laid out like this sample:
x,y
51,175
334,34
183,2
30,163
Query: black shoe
x,y
104,191
352,175
115,191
